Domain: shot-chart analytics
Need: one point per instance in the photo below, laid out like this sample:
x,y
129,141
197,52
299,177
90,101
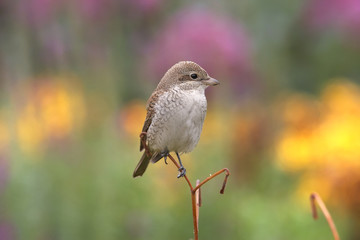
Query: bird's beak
x,y
211,82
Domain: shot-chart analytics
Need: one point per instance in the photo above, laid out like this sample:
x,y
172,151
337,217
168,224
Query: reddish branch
x,y
198,202
196,194
315,198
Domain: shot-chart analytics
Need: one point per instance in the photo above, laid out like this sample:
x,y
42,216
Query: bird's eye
x,y
194,76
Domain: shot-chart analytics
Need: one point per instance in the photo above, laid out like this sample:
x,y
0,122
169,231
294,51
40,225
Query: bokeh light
x,y
219,44
322,142
75,77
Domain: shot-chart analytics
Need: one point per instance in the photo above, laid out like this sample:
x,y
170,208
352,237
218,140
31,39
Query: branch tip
x,y
313,205
316,199
227,174
196,193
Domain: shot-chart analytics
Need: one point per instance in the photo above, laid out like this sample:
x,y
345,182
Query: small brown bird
x,y
175,114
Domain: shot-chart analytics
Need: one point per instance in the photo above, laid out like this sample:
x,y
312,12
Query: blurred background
x,y
74,80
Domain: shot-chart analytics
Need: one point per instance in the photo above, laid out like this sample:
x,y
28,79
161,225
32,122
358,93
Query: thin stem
x,y
195,216
227,174
196,194
193,200
198,202
315,198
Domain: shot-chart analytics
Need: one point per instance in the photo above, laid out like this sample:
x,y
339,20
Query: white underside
x,y
178,120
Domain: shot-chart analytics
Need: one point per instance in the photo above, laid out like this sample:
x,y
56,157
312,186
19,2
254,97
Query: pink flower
x,y
339,14
95,9
143,6
6,230
37,12
218,44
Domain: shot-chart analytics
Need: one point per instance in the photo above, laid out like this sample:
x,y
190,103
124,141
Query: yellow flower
x,y
295,150
314,182
29,129
342,97
322,139
4,134
52,110
61,109
133,117
300,111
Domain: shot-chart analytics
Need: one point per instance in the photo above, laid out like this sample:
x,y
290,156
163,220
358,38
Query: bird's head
x,y
187,75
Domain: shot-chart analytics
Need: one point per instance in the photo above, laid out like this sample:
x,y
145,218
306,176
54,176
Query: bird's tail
x,y
142,165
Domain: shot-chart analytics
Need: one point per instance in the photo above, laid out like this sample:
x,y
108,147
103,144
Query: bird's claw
x,y
182,171
165,155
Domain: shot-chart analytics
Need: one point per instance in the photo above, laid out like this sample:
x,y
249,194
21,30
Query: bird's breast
x,y
178,120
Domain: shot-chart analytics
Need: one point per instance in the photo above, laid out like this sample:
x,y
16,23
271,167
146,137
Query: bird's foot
x,y
182,171
165,155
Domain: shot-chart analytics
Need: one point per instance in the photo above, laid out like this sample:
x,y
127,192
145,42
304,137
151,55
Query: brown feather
x,y
150,114
142,165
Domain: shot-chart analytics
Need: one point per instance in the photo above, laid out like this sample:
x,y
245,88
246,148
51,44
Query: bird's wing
x,y
149,115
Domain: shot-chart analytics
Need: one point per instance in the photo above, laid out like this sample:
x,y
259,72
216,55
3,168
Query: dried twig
x,y
315,198
196,194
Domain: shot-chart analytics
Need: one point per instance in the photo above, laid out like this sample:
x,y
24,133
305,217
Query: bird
x,y
175,115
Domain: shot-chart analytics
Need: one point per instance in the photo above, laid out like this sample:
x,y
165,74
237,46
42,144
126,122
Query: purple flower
x,y
339,14
95,9
6,230
218,44
37,12
144,6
